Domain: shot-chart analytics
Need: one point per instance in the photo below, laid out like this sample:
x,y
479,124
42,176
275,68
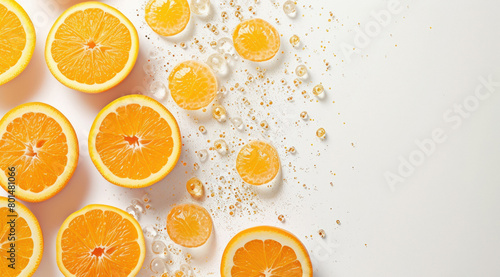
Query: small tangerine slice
x,y
100,240
258,163
28,239
17,40
189,225
40,143
192,84
134,141
256,40
168,17
265,251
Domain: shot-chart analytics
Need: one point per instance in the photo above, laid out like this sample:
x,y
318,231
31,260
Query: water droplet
x,y
203,155
158,247
183,45
150,231
318,90
321,133
218,63
225,46
289,8
264,125
202,129
291,149
294,40
148,68
301,71
219,113
158,90
145,198
221,146
195,187
238,123
158,265
303,115
133,212
322,233
137,205
200,7
187,269
281,218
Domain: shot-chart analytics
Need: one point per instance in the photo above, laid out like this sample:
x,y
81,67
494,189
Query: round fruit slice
x,y
17,40
134,141
192,84
258,163
256,40
26,237
41,145
189,225
168,17
265,251
92,47
100,240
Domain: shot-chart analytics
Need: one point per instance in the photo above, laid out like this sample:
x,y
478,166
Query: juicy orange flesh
x,y
36,146
192,85
256,39
100,243
91,46
257,163
167,17
189,225
134,142
265,258
12,39
23,244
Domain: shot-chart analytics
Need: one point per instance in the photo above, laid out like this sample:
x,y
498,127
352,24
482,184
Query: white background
x,y
443,219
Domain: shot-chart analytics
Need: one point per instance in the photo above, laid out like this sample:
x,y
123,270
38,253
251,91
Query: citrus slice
x,y
256,40
192,84
134,141
100,240
258,163
92,47
167,17
17,40
26,238
189,225
265,251
41,145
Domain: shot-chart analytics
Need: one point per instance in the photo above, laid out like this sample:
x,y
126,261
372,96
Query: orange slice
x,y
92,47
168,17
189,225
192,84
256,40
28,240
134,141
265,251
258,163
100,240
40,143
17,40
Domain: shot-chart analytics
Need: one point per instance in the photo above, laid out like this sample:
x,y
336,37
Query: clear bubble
x,y
321,133
219,113
294,40
200,7
318,90
150,231
136,203
158,246
221,146
264,125
225,46
195,187
289,8
281,218
301,71
133,212
322,233
202,129
158,265
187,270
218,63
203,155
304,115
158,90
238,123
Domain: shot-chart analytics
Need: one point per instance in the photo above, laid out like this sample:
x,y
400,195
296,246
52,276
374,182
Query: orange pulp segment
x,y
258,163
40,143
167,17
92,47
189,225
256,40
28,240
100,240
134,141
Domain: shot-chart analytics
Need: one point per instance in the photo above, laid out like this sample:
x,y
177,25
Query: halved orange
x,y
92,47
40,143
134,141
258,163
26,237
100,240
17,40
189,225
256,40
192,85
167,17
265,251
